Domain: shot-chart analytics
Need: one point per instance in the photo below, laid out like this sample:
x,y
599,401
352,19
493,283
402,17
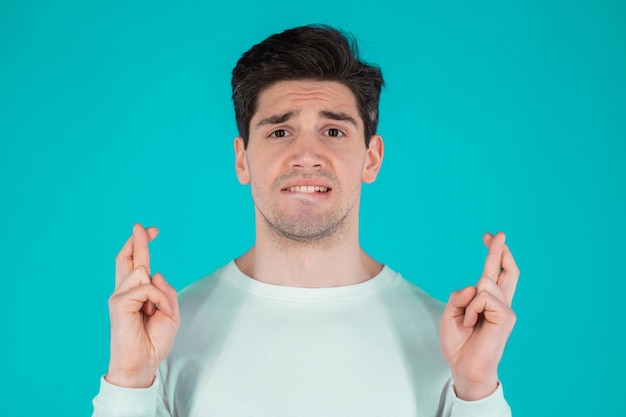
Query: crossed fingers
x,y
134,253
492,296
132,264
500,267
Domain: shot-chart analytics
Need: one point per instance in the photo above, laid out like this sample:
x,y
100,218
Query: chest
x,y
306,360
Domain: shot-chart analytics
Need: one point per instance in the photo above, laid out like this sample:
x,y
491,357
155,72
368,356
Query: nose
x,y
306,152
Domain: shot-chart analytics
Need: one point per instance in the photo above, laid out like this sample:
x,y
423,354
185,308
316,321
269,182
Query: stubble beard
x,y
305,228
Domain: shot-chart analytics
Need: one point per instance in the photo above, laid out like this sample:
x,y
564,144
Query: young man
x,y
305,323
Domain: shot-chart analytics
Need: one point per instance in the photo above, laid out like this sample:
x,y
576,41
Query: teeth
x,y
308,189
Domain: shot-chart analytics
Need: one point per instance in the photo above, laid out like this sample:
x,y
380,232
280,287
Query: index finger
x,y
126,260
493,261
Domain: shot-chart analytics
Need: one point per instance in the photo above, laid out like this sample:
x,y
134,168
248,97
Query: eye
x,y
334,132
278,133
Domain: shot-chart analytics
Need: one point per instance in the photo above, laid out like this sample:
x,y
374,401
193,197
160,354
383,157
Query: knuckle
x,y
483,284
483,297
113,301
141,271
510,321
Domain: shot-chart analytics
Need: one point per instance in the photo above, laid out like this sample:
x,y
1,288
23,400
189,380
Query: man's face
x,y
306,159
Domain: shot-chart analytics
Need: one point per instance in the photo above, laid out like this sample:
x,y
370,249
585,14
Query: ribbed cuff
x,y
492,406
125,402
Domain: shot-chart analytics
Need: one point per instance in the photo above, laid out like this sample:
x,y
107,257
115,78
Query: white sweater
x,y
246,348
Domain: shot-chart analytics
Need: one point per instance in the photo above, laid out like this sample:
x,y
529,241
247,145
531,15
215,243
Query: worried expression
x,y
306,159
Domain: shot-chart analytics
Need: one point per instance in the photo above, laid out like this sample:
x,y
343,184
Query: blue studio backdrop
x,y
496,116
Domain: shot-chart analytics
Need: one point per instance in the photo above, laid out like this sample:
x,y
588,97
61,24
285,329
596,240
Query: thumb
x,y
458,301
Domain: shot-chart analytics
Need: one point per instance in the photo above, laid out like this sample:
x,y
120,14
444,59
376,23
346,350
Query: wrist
x,y
473,390
130,379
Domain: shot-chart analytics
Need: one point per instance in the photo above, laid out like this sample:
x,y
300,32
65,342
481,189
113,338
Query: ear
x,y
241,163
373,159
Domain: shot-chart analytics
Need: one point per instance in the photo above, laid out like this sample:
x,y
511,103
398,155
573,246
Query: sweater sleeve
x,y
494,405
114,401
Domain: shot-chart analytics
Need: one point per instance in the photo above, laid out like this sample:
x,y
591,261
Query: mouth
x,y
307,189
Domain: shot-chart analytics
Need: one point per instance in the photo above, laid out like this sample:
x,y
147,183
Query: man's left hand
x,y
477,322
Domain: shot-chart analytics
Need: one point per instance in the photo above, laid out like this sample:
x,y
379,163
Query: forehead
x,y
302,94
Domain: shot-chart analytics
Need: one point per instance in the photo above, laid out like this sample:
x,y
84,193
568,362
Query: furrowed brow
x,y
339,116
275,119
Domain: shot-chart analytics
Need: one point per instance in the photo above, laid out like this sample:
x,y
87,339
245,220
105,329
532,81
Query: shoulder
x,y
203,292
407,296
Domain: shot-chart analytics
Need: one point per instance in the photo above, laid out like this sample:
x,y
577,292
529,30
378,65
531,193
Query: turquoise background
x,y
496,116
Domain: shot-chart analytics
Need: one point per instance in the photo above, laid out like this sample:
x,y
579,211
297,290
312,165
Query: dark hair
x,y
315,52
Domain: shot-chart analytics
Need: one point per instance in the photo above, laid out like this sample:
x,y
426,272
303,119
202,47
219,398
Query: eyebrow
x,y
326,114
339,116
275,119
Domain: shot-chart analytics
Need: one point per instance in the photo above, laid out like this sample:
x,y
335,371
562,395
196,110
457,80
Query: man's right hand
x,y
144,315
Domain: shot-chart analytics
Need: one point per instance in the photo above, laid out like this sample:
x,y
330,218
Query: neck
x,y
334,261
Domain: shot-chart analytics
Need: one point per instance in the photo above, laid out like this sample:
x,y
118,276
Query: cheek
x,y
354,169
262,174
258,169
